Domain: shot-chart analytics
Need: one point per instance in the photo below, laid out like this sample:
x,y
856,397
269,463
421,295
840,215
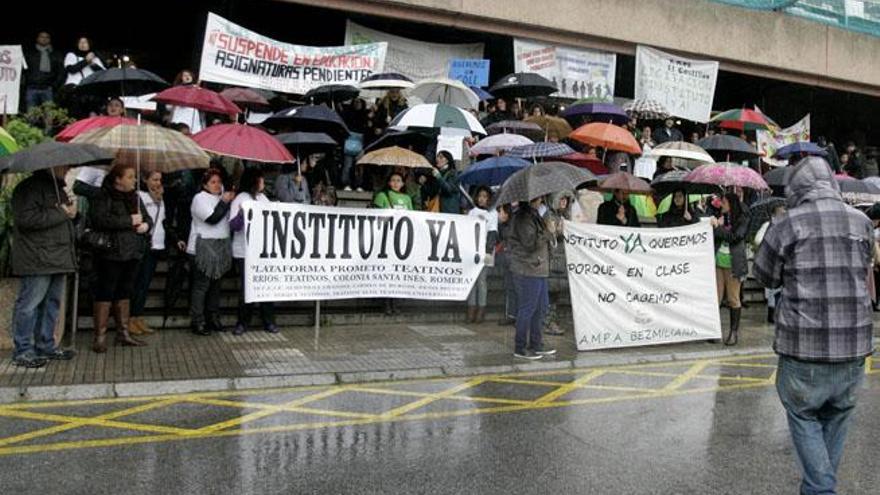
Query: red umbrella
x,y
85,125
243,141
743,119
588,161
197,97
245,98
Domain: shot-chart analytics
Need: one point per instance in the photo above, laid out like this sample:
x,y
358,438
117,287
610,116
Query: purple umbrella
x,y
596,112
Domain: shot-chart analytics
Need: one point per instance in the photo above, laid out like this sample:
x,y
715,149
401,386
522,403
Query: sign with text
x,y
414,59
11,65
633,286
771,140
577,72
685,86
301,252
470,72
237,56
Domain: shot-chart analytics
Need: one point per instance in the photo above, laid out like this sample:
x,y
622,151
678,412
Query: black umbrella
x,y
55,154
121,82
306,139
778,177
760,212
726,148
673,181
310,118
541,179
853,186
332,93
418,141
523,85
529,129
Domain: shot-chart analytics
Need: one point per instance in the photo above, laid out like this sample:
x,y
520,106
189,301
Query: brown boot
x,y
472,314
146,329
101,313
120,314
481,315
134,326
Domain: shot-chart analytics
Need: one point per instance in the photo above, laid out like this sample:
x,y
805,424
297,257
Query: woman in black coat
x,y
731,264
679,213
115,211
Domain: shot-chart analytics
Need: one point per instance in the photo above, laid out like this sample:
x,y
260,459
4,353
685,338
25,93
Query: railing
x,y
861,16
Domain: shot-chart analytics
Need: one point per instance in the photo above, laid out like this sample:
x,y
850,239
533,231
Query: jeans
x,y
267,309
142,281
35,97
205,298
36,311
819,399
531,294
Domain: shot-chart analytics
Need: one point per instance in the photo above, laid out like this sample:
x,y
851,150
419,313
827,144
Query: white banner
x,y
685,86
299,252
414,59
577,72
772,139
11,65
632,287
237,56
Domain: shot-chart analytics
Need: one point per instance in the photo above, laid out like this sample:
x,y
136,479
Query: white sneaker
x,y
360,189
347,188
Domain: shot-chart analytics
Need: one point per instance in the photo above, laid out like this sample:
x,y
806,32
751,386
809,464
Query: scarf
x,y
45,61
130,199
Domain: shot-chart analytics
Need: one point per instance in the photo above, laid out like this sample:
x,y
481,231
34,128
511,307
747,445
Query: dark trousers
x,y
502,262
532,299
205,297
267,309
114,279
146,269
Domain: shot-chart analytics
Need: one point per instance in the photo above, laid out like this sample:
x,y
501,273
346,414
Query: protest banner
x,y
11,65
772,139
470,72
577,72
234,55
301,252
414,59
685,86
632,287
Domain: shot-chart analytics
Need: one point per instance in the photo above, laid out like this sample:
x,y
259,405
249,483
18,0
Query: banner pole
x,y
317,322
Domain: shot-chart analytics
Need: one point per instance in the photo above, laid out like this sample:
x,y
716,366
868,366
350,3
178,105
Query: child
x,y
477,298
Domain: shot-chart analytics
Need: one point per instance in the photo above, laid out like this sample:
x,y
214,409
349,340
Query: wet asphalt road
x,y
723,441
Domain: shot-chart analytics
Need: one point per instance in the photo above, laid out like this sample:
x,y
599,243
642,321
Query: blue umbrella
x,y
492,171
540,150
482,93
801,147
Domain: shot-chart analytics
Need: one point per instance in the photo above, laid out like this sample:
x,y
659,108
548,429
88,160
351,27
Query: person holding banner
x,y
440,193
679,214
394,197
618,211
209,250
530,243
476,311
731,264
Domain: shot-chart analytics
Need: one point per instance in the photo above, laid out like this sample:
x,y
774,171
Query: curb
x,y
172,387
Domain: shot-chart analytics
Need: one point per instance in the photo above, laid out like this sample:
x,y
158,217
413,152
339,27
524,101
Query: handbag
x,y
97,241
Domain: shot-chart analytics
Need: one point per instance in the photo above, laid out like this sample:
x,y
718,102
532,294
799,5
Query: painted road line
x,y
433,398
568,387
685,377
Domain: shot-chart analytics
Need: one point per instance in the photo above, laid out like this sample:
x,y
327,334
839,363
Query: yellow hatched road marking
x,y
268,412
685,377
412,406
568,387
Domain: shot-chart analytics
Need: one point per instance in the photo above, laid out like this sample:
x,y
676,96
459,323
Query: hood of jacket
x,y
811,180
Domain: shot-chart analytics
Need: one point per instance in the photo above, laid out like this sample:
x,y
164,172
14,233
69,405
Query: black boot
x,y
733,336
771,314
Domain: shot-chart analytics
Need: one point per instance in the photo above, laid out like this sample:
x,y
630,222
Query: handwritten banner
x,y
577,72
470,72
771,140
685,86
11,65
632,287
300,252
234,55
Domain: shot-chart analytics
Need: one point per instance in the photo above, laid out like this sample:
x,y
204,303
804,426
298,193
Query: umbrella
x,y
435,116
54,154
492,171
310,118
682,149
528,129
306,139
7,143
523,85
246,98
553,127
723,147
727,175
800,148
149,147
760,212
743,119
596,112
481,93
588,161
646,109
446,91
644,205
855,186
493,145
121,82
608,136
332,93
540,150
418,141
777,177
86,125
625,181
395,156
677,180
244,142
197,97
542,179
385,81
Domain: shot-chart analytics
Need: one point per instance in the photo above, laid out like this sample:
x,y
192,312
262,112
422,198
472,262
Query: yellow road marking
x,y
268,412
685,377
568,387
491,400
280,408
412,406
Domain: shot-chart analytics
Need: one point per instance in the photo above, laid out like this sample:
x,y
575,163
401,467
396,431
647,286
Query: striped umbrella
x,y
497,143
386,81
435,116
743,119
540,150
646,109
150,147
7,143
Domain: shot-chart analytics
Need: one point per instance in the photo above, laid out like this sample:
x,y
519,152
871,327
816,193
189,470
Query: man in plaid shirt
x,y
819,252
